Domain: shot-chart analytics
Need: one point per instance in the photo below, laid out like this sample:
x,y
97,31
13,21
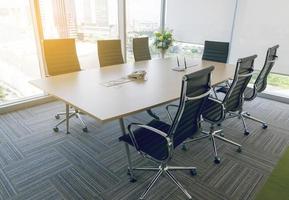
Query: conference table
x,y
106,94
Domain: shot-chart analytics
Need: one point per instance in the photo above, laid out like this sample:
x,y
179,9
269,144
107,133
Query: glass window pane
x,y
143,19
277,84
18,58
85,20
187,50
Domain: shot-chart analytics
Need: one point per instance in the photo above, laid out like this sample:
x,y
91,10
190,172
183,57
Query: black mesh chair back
x,y
195,91
141,49
216,51
261,81
233,100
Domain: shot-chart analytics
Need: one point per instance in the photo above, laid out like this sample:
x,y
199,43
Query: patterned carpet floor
x,y
36,163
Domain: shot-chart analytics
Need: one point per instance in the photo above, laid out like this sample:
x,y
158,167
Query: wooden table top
x,y
86,91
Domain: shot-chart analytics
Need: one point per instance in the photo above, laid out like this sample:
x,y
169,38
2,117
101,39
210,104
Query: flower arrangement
x,y
163,40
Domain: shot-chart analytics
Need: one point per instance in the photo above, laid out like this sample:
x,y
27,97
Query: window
x,y
143,19
18,58
85,20
187,50
277,84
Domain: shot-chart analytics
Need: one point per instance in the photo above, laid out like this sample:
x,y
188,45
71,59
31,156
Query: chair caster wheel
x,y
248,114
184,148
246,133
194,172
265,126
132,180
57,117
218,124
222,134
56,129
239,150
85,130
217,160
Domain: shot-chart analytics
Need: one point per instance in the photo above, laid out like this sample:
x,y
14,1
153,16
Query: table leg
x,y
130,170
67,118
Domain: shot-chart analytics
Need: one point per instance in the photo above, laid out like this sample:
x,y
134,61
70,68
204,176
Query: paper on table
x,y
120,81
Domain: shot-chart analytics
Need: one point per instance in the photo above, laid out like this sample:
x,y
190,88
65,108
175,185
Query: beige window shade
x,y
195,21
261,24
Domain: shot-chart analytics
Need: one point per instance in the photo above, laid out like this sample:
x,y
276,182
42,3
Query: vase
x,y
163,52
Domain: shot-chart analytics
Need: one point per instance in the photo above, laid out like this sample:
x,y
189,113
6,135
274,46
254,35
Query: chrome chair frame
x,y
163,167
218,134
271,58
73,113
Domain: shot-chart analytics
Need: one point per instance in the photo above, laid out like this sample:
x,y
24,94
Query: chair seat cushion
x,y
150,142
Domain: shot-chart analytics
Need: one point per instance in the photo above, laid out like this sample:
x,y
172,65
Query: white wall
x,y
260,24
195,21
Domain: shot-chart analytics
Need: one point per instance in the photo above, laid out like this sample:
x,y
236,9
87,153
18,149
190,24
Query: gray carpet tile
x,y
36,163
9,153
6,188
43,190
38,167
88,165
73,185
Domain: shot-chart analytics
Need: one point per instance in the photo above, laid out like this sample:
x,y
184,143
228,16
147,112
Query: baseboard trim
x,y
274,98
27,103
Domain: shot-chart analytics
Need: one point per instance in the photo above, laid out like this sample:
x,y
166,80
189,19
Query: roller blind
x,y
259,25
195,21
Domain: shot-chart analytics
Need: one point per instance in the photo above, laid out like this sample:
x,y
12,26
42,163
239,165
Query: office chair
x,y
157,140
141,52
216,111
61,57
109,52
141,49
259,86
216,51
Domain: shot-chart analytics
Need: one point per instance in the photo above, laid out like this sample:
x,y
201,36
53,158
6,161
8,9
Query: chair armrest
x,y
215,100
154,130
168,111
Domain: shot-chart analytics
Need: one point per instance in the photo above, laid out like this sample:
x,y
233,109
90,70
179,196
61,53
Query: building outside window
x,y
143,19
185,49
85,20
